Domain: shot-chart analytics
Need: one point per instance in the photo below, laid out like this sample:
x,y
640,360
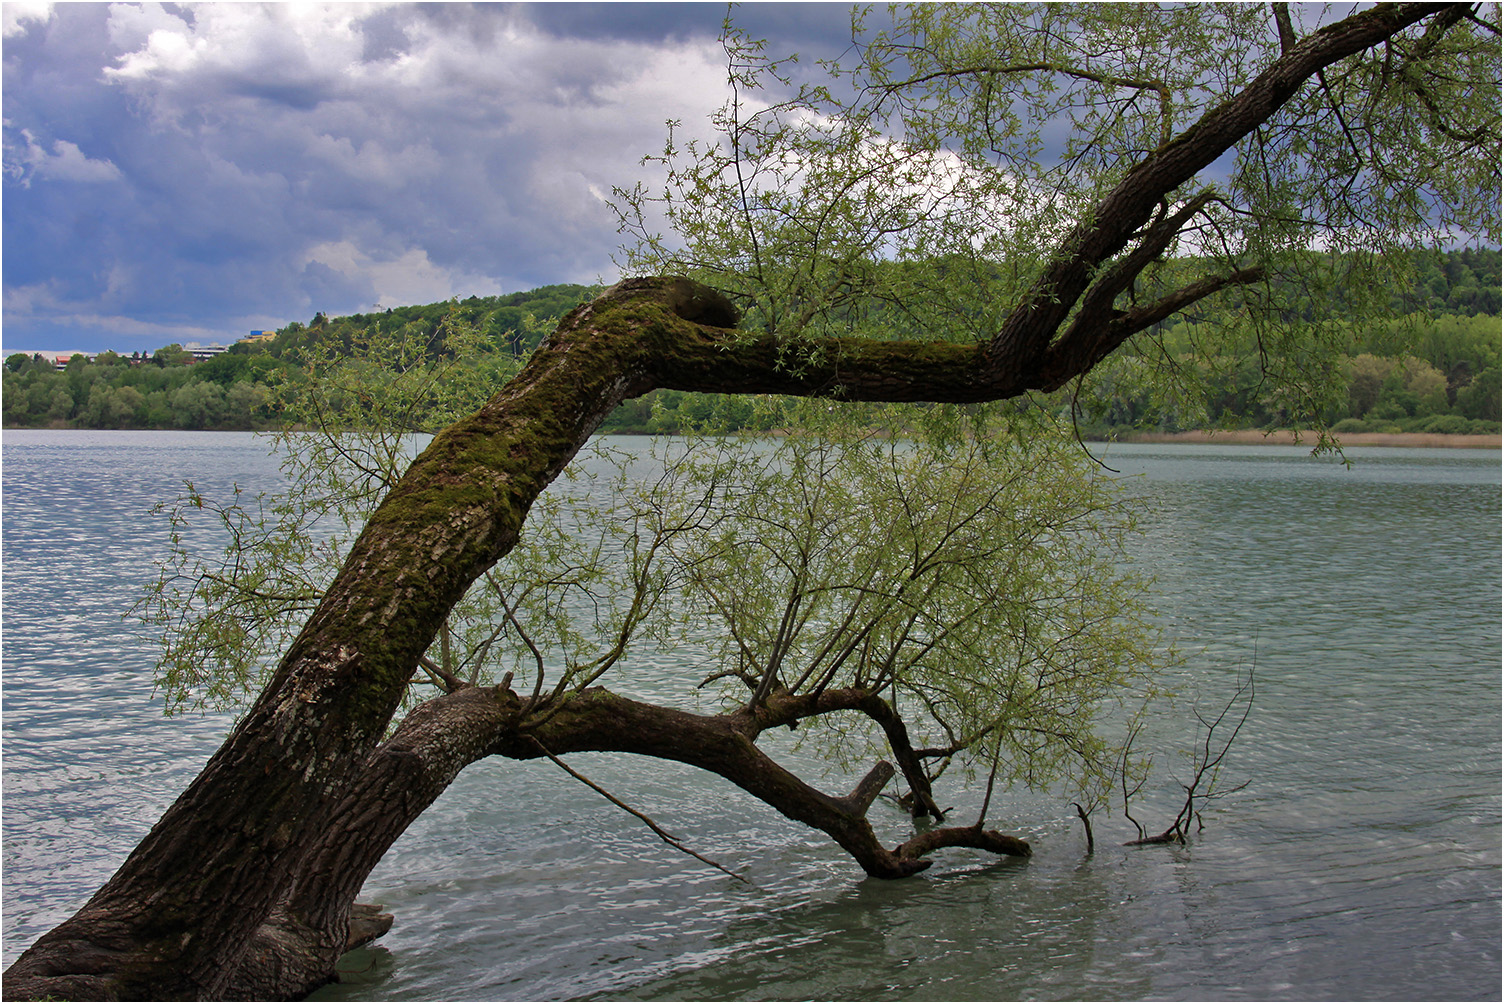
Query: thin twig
x,y
991,777
663,835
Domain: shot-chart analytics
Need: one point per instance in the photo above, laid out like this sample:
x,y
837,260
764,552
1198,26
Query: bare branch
x,y
1086,822
1202,787
441,677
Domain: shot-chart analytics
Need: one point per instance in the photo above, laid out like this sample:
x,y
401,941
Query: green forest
x,y
1435,368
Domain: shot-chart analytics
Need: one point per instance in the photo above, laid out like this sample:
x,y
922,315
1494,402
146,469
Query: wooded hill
x,y
1434,369
235,391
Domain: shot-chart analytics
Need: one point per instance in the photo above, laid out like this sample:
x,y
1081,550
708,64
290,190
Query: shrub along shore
x,y
1290,437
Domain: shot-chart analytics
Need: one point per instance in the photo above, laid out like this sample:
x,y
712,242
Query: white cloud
x,y
66,162
409,277
297,41
477,126
14,15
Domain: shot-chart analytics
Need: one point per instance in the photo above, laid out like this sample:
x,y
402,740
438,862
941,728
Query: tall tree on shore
x,y
1229,134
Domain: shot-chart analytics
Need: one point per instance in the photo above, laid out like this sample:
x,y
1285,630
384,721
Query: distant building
x,y
197,352
200,352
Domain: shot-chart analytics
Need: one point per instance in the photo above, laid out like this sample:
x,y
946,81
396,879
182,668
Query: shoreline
x,y
1288,437
1210,437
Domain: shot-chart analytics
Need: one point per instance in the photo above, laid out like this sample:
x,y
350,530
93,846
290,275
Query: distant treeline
x,y
235,390
1465,283
1447,379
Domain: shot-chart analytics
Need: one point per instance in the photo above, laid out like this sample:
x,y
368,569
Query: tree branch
x,y
1286,29
1078,354
602,721
444,679
1024,336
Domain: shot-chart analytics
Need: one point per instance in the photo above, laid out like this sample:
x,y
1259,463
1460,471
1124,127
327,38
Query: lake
x,y
1362,860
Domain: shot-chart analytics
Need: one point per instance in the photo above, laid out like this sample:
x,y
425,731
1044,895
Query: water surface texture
x,y
1361,862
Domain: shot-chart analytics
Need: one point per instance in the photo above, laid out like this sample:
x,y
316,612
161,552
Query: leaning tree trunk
x,y
174,921
295,950
234,862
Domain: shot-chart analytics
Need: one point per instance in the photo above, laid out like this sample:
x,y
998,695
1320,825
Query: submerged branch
x,y
963,836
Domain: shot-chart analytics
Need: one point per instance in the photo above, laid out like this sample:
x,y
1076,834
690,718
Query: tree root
x,y
367,923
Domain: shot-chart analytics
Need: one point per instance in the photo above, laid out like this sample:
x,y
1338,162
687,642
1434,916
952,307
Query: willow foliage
x,y
242,573
977,581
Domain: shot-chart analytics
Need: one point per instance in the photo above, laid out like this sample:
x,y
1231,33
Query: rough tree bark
x,y
245,886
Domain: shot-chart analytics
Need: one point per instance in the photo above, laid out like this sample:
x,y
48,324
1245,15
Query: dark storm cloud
x,y
192,172
787,26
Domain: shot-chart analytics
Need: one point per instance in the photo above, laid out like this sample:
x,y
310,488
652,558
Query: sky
x,y
193,172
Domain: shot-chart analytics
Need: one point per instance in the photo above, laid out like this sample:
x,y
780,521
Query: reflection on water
x,y
1361,862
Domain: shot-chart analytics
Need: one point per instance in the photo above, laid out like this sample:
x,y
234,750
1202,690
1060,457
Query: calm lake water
x,y
1361,862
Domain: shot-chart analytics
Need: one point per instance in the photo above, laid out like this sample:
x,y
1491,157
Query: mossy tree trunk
x,y
243,890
